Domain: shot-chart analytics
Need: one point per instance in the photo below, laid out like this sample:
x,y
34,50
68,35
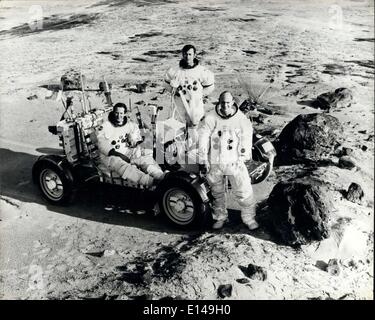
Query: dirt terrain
x,y
84,252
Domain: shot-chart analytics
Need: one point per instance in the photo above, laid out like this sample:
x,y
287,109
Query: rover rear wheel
x,y
182,206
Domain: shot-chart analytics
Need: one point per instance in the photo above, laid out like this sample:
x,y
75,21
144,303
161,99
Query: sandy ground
x,y
82,252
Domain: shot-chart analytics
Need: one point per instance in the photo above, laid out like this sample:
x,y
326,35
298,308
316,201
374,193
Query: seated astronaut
x,y
119,143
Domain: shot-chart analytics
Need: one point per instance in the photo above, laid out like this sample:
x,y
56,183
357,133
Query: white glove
x,y
204,167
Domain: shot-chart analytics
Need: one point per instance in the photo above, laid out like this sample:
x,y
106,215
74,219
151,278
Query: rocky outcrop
x,y
340,98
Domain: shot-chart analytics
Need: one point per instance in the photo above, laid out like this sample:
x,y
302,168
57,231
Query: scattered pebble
x,y
353,264
32,97
97,254
243,280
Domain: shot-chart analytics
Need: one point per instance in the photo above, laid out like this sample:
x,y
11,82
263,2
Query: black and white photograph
x,y
164,150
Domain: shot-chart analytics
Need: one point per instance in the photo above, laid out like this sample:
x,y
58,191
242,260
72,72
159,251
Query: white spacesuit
x,y
225,142
189,84
130,156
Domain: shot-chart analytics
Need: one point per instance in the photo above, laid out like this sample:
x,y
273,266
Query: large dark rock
x,y
340,98
298,212
308,138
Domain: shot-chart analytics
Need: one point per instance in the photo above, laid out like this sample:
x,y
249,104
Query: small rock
x,y
266,111
33,97
346,162
108,253
96,254
256,272
243,280
259,119
224,290
364,148
154,99
321,265
355,193
347,151
362,131
141,87
347,296
333,267
140,102
353,264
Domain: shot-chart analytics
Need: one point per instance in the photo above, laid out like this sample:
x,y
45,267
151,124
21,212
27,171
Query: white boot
x,y
218,224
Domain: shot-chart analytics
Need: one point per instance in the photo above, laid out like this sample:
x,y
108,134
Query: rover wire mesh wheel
x,y
51,184
182,206
54,185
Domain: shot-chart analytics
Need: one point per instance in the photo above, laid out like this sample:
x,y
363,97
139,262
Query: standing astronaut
x,y
189,83
225,143
119,143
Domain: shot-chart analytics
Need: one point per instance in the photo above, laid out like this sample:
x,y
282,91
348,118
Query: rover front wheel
x,y
53,184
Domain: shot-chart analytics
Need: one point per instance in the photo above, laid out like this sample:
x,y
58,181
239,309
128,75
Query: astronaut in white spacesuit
x,y
119,143
189,83
225,143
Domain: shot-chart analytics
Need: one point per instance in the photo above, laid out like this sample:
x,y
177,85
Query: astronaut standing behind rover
x,y
189,83
119,143
225,143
